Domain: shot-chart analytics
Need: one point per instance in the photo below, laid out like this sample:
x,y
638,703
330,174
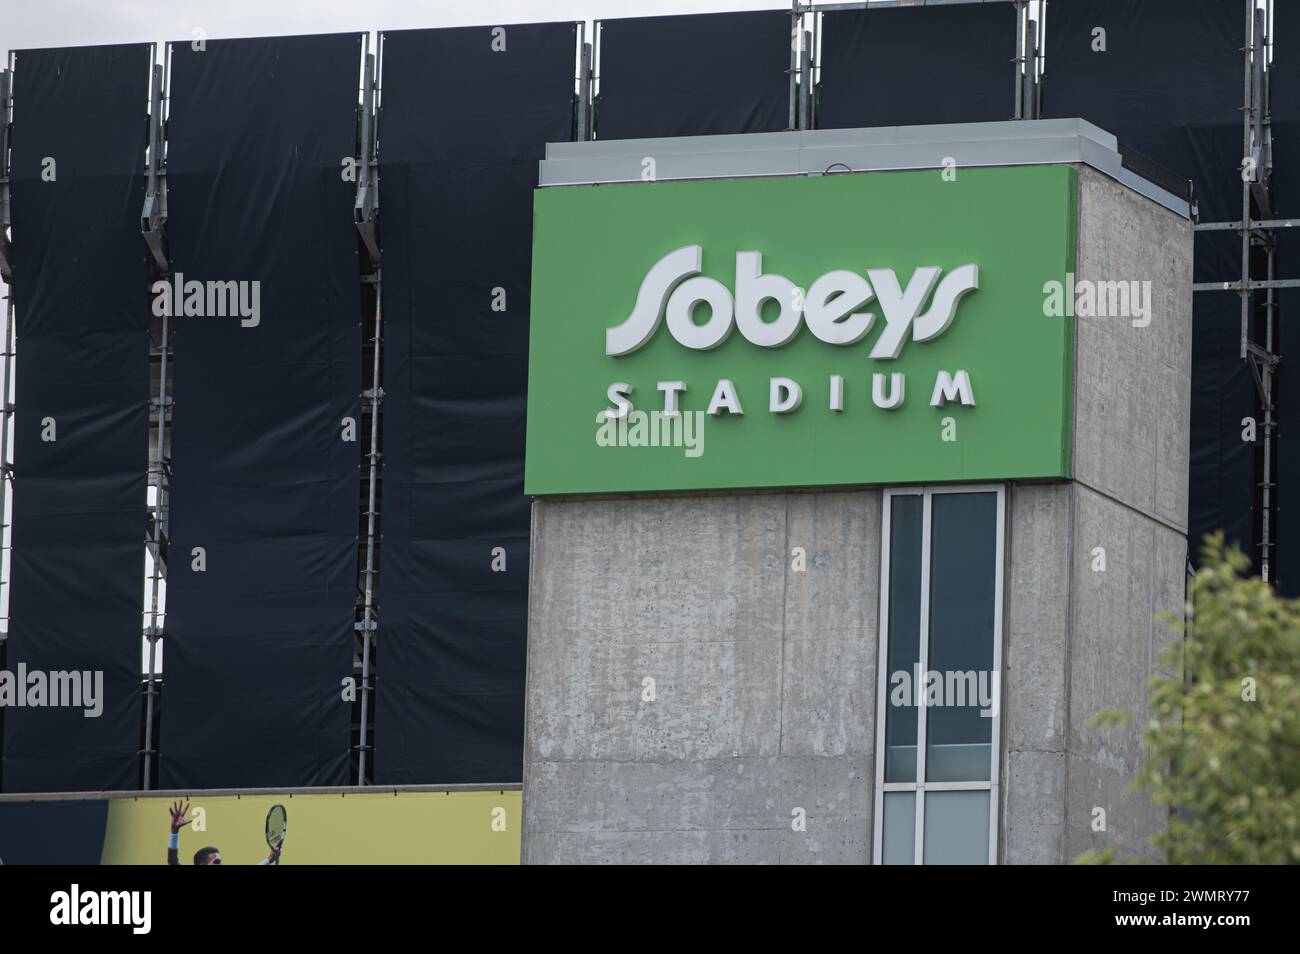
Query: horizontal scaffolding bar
x,y
1262,225
1251,285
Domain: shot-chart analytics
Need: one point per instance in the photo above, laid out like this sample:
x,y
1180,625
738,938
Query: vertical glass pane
x,y
899,829
904,646
956,828
959,685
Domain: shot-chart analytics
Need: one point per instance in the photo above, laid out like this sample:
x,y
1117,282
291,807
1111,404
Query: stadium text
x,y
785,395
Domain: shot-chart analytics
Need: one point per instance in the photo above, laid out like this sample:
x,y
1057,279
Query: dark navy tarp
x,y
79,505
701,75
258,643
457,174
1169,85
1285,103
907,66
53,833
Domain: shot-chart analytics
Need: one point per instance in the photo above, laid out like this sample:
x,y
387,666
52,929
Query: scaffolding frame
x,y
367,223
152,225
793,72
7,345
153,221
805,66
6,365
1256,227
586,65
805,53
6,120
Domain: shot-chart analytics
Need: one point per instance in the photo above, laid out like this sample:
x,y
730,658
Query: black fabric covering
x,y
701,75
1170,86
907,66
1285,102
79,505
457,176
258,645
53,833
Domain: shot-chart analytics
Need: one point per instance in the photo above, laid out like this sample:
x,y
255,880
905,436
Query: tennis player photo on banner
x,y
277,826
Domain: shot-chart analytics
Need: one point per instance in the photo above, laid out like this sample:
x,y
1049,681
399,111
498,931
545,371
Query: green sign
x,y
810,331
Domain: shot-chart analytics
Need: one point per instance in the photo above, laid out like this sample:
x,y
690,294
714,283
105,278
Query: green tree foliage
x,y
1222,749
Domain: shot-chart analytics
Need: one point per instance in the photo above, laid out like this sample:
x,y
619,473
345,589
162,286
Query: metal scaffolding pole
x,y
368,186
1266,490
1040,55
6,86
805,80
1029,102
7,351
1022,12
154,631
369,623
593,130
1247,117
1257,232
795,38
152,219
583,132
1264,121
6,466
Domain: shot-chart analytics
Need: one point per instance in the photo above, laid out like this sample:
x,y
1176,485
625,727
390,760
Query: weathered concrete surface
x,y
1088,576
1131,446
1034,667
1115,645
766,705
1133,378
764,679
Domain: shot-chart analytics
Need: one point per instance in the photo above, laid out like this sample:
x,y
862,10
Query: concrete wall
x,y
1132,417
1132,406
764,679
1080,639
764,676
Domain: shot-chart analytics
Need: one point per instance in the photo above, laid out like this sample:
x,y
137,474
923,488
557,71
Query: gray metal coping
x,y
191,793
830,151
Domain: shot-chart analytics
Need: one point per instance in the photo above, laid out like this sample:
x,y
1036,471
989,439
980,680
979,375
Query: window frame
x,y
927,493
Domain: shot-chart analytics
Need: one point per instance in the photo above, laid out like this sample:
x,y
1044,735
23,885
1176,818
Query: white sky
x,y
26,24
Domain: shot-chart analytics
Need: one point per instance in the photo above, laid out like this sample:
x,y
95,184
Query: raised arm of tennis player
x,y
178,811
204,856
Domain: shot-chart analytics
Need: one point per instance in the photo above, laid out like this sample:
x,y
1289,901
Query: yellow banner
x,y
361,828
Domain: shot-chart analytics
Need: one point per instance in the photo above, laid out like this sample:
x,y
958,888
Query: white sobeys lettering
x,y
831,308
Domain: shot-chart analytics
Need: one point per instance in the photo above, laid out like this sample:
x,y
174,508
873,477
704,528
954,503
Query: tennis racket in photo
x,y
277,826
